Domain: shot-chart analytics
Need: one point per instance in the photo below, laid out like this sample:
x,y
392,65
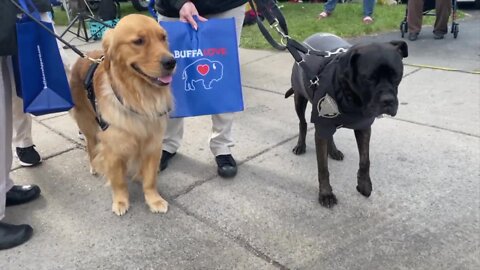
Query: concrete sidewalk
x,y
423,212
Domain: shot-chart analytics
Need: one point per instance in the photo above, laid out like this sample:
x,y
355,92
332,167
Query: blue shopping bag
x,y
207,79
39,73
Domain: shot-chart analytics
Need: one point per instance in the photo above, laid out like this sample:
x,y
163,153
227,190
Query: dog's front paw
x,y
365,189
327,200
120,207
364,185
299,149
160,206
336,154
93,171
156,203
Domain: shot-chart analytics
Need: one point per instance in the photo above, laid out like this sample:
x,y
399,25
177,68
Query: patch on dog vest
x,y
327,107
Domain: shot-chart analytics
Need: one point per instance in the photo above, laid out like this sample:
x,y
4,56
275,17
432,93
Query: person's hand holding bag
x,y
187,12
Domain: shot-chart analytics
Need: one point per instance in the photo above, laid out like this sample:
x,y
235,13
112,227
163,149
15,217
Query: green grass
x,y
345,22
302,21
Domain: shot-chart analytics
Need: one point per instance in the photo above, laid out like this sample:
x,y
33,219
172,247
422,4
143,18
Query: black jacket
x,y
171,8
8,37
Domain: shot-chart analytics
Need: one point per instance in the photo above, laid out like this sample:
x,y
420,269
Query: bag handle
x,y
25,4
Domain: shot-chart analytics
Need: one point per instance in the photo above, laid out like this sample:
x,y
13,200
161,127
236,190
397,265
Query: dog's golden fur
x,y
133,103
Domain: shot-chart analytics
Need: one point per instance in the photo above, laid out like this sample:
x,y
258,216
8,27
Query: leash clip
x,y
276,25
300,62
315,81
95,60
337,51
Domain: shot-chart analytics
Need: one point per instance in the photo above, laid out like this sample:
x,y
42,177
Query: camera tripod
x,y
82,16
81,20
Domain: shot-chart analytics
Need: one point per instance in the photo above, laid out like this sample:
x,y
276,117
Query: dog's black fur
x,y
364,83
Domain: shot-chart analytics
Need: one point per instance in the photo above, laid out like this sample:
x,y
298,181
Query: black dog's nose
x,y
168,62
387,100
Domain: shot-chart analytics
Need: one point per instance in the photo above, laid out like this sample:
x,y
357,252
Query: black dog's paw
x,y
327,200
365,189
299,149
336,154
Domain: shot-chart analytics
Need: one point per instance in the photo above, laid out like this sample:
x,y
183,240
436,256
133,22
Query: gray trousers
x,y
221,137
6,84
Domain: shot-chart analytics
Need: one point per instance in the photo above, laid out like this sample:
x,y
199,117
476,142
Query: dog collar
x,y
120,100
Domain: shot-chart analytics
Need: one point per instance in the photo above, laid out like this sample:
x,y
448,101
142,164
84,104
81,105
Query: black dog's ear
x,y
402,47
348,63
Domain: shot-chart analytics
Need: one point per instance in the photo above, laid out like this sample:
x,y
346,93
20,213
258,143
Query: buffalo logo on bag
x,y
207,72
207,78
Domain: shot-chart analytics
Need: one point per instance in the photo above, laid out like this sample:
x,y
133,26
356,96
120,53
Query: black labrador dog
x,y
354,88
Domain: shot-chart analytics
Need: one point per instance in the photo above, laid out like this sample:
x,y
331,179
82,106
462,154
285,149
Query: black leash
x,y
77,51
270,10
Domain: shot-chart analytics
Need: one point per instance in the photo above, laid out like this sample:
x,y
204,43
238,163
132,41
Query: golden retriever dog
x,y
132,89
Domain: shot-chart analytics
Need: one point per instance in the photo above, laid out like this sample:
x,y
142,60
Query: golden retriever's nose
x,y
168,62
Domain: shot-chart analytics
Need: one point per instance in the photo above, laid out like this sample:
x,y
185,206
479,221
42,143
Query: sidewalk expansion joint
x,y
249,158
435,127
411,73
263,89
51,117
48,157
258,59
235,238
443,68
77,144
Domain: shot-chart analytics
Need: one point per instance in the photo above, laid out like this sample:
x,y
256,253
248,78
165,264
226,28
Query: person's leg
x,y
10,235
173,135
22,123
368,6
329,6
22,134
174,132
443,8
221,137
415,16
5,131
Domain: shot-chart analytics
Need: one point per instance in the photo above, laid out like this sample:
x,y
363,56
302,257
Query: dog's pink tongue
x,y
165,79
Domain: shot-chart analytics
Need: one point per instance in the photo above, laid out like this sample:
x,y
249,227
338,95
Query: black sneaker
x,y
166,156
227,167
28,156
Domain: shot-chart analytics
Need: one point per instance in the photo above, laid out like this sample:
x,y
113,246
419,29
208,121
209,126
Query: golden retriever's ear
x,y
107,50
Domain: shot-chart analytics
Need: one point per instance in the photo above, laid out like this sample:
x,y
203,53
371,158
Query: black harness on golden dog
x,y
88,83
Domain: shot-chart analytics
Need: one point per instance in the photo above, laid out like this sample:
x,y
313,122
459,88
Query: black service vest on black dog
x,y
330,108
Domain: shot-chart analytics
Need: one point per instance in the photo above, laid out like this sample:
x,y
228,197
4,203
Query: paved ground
x,y
423,213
